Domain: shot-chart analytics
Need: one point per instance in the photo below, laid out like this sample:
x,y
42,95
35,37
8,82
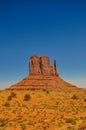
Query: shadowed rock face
x,y
40,65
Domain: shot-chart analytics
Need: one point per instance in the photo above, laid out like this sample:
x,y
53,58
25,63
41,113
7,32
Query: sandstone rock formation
x,y
40,65
42,76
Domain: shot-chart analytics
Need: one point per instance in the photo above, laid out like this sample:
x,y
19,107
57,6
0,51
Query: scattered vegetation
x,y
71,120
7,104
27,97
85,100
42,110
3,122
74,97
46,90
11,96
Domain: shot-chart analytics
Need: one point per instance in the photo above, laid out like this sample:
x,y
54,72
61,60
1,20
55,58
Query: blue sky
x,y
54,28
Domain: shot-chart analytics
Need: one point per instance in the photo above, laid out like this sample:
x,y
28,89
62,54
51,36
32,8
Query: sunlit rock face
x,y
40,65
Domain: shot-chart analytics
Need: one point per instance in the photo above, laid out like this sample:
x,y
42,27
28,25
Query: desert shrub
x,y
31,122
27,97
3,122
83,118
60,124
46,90
85,100
9,98
7,104
57,103
13,94
74,97
23,127
71,128
71,120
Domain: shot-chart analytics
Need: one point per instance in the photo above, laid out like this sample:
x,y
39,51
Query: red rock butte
x,y
40,65
41,76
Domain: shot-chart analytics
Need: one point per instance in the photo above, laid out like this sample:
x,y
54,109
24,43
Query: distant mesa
x,y
41,76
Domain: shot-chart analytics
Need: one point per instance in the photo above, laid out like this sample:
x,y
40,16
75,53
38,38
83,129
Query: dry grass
x,y
43,110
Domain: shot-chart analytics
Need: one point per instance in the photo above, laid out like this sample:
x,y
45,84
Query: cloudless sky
x,y
54,28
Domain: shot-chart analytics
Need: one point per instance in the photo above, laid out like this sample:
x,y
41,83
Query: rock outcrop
x,y
42,76
40,65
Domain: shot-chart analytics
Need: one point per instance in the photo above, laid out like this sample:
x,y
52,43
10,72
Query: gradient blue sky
x,y
55,28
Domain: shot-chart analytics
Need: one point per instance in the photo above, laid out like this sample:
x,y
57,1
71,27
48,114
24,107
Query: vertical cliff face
x,y
40,65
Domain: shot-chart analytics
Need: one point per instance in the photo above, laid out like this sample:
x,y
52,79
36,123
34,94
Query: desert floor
x,y
43,110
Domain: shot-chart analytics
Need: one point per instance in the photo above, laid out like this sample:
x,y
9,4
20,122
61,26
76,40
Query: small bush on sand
x,y
7,104
9,98
27,97
74,97
85,100
13,94
71,120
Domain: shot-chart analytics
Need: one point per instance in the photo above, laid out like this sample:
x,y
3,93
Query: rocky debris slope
x,y
41,82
